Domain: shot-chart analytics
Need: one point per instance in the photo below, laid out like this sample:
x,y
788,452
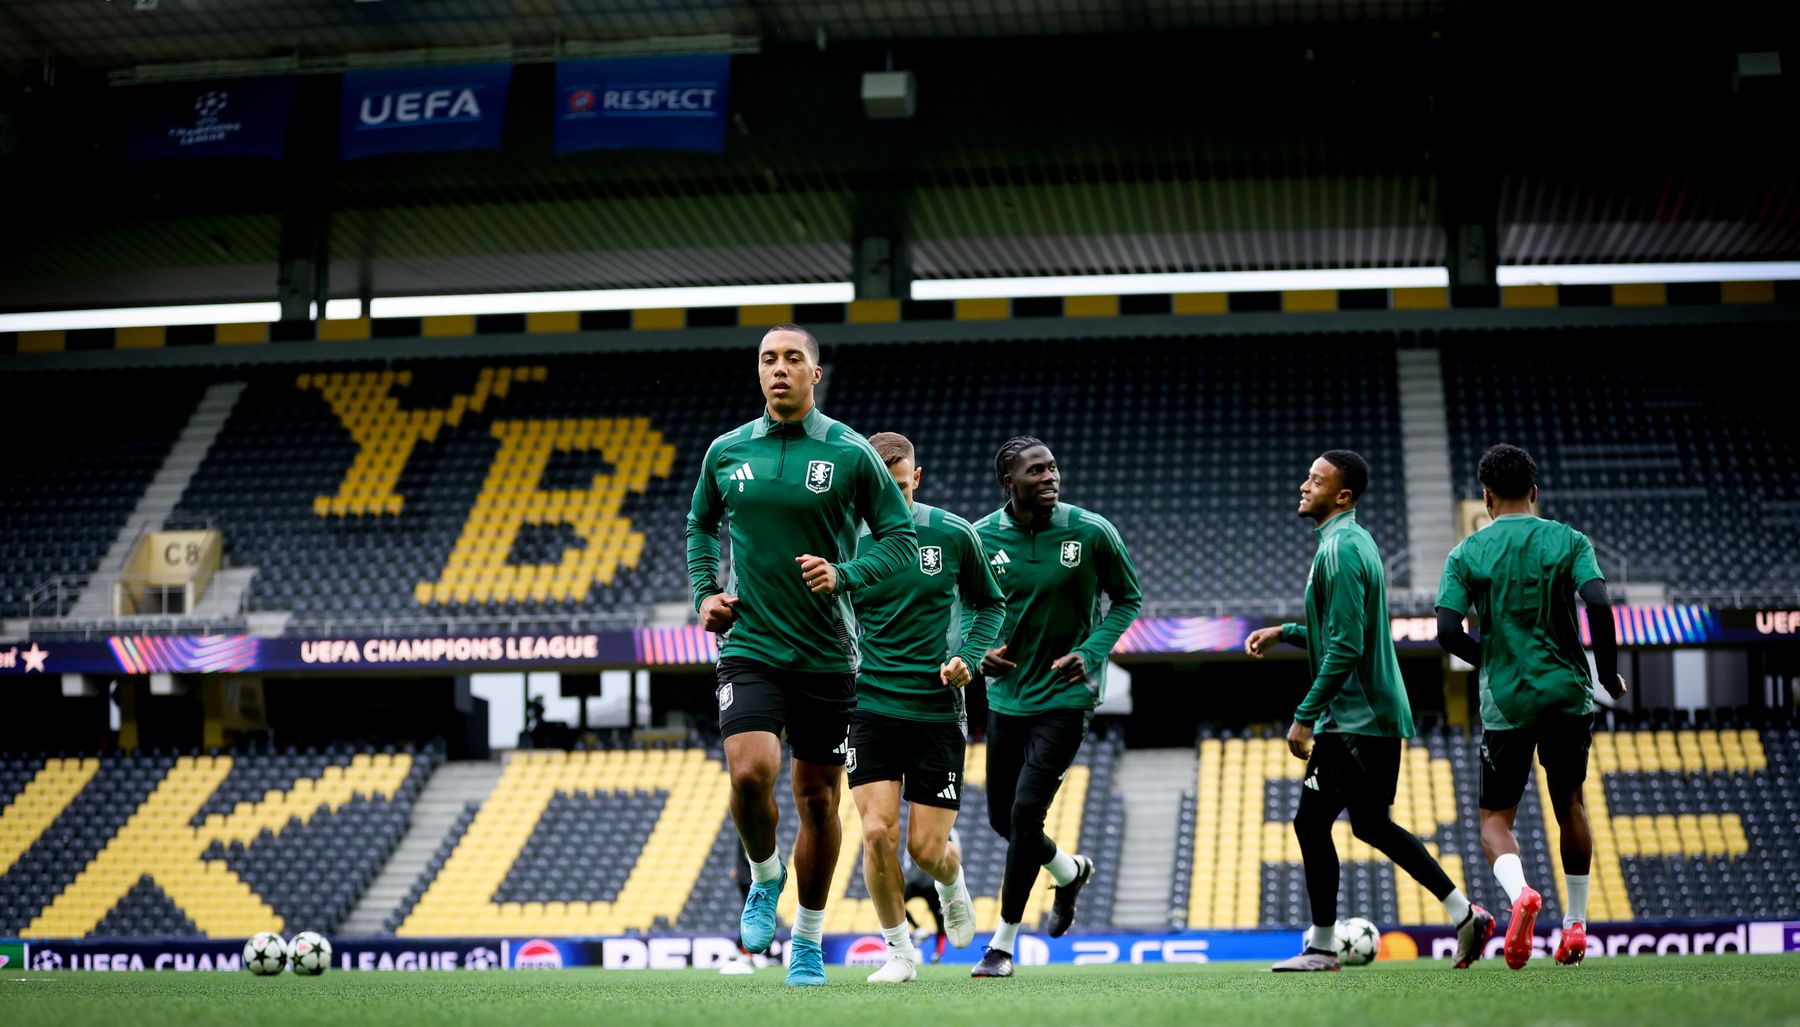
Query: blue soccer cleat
x,y
756,928
806,964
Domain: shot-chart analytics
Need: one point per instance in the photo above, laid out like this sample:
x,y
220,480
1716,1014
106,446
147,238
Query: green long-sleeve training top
x,y
792,488
1357,689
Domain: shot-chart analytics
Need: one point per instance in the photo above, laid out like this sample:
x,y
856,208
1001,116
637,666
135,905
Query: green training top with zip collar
x,y
1357,688
789,488
908,620
1053,579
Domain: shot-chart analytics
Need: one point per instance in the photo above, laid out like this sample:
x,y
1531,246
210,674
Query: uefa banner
x,y
419,110
239,118
648,103
708,952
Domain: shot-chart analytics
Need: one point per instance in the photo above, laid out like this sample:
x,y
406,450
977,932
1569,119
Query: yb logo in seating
x,y
479,568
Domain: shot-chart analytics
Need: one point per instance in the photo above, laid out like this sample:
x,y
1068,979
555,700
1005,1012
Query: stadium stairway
x,y
449,792
1152,782
159,499
1425,450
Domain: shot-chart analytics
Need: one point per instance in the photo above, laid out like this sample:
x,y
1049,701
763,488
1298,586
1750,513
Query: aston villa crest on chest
x,y
818,475
1071,554
931,559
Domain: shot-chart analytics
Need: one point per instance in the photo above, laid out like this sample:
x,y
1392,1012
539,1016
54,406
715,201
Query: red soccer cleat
x,y
1518,932
1573,947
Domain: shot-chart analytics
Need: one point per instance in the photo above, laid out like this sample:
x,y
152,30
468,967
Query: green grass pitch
x,y
1659,992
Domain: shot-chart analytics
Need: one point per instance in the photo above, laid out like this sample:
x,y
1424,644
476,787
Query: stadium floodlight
x,y
140,317
1205,281
612,299
1662,274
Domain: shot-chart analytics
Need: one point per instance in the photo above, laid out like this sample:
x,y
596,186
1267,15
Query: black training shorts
x,y
928,756
1356,770
1561,741
814,709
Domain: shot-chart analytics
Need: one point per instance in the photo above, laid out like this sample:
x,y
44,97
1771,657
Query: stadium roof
x,y
1079,137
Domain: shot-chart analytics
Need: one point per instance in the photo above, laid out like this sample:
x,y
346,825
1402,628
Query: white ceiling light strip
x,y
1633,274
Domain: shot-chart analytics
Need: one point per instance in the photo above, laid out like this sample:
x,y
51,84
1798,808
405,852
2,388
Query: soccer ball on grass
x,y
1356,941
265,954
309,953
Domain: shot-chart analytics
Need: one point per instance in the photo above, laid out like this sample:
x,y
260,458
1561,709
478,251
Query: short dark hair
x,y
812,344
1507,471
891,446
1352,468
1009,451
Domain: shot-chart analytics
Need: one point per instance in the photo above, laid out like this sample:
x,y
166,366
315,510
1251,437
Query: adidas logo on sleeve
x,y
743,474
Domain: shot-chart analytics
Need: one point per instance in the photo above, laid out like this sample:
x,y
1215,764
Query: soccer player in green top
x,y
1053,561
1352,725
1522,573
908,719
796,485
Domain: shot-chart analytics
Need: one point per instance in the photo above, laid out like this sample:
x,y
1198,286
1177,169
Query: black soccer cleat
x,y
1062,910
994,963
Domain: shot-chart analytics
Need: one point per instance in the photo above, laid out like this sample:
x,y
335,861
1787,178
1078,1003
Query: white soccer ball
x,y
265,954
309,953
1357,940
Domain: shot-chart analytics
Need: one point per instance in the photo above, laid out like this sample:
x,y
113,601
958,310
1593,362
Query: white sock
x,y
1457,905
1005,938
899,941
810,925
948,893
767,870
1578,889
1324,938
1511,875
1062,867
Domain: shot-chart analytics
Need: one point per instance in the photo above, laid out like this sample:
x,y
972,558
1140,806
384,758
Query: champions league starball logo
x,y
207,127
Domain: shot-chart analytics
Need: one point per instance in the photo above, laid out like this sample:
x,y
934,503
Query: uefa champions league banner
x,y
690,645
647,103
190,954
240,654
240,118
419,110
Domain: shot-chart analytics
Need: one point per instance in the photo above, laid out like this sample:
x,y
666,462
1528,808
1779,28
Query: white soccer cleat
x,y
900,968
959,919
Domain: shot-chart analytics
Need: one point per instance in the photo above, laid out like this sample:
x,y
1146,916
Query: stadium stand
x,y
455,489
1686,823
1664,461
386,497
69,491
1194,450
552,808
452,489
529,860
216,845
